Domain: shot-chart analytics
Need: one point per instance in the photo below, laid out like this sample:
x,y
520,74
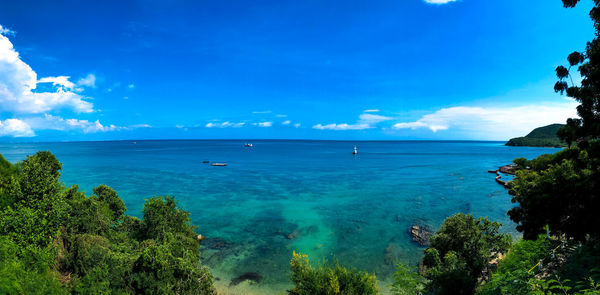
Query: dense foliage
x,y
512,275
407,281
460,251
56,240
562,190
329,280
543,136
587,126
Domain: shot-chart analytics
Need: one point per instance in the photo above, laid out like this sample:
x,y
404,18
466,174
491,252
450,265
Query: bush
x,y
19,276
329,279
407,281
48,232
512,276
460,251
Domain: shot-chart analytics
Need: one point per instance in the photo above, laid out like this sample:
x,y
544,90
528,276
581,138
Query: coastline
x,y
314,188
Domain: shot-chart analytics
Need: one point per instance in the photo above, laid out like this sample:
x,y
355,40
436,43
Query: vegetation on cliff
x,y
543,137
328,279
56,240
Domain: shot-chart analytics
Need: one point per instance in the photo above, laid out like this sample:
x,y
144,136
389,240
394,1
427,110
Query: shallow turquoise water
x,y
355,209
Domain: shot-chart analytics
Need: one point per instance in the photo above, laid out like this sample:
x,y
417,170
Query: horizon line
x,y
261,139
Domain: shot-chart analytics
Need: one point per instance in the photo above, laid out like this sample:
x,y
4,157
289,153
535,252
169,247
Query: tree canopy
x,y
460,251
56,240
561,191
587,126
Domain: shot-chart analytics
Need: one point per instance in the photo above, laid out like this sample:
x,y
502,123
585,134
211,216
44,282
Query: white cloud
x,y
371,111
88,81
130,86
62,81
286,122
114,86
297,125
263,124
365,121
225,124
280,116
15,128
439,1
493,123
373,119
92,127
262,112
342,126
18,82
6,31
49,122
140,126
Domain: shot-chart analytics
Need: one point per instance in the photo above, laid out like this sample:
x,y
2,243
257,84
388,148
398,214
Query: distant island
x,y
541,137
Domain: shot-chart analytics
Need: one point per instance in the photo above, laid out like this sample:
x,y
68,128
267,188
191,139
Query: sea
x,y
312,197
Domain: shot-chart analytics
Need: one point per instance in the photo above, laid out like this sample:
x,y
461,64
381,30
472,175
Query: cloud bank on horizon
x,y
493,123
472,122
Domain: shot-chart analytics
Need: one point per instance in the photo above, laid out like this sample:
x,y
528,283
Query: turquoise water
x,y
354,209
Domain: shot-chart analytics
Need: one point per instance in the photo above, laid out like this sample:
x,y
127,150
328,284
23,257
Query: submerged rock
x,y
420,234
248,276
293,235
216,243
392,254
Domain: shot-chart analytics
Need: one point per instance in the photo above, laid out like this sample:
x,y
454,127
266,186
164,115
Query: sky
x,y
313,69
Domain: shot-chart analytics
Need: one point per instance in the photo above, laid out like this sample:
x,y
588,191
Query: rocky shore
x,y
506,169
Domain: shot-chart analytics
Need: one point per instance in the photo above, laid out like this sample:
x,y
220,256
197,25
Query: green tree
x,y
407,281
24,276
38,210
460,251
329,280
55,240
587,126
512,275
158,270
562,190
109,196
161,215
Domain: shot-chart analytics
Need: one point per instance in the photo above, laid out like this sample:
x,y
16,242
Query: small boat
x,y
205,162
219,164
248,145
355,151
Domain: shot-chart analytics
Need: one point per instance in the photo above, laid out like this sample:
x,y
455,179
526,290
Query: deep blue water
x,y
354,209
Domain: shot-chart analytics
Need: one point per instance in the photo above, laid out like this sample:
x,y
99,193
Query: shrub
x,y
329,279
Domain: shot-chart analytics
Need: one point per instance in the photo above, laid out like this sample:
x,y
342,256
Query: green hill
x,y
542,136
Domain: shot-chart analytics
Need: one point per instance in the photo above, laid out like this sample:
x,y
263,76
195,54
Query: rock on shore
x,y
420,234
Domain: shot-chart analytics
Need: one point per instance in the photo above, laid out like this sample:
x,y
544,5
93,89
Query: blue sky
x,y
465,69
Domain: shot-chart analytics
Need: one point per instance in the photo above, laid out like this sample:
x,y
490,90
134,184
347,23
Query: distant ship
x,y
248,145
355,151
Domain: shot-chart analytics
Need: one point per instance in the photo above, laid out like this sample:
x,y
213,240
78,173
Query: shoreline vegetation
x,y
540,137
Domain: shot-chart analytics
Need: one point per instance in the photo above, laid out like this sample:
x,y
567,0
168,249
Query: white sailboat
x,y
355,151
